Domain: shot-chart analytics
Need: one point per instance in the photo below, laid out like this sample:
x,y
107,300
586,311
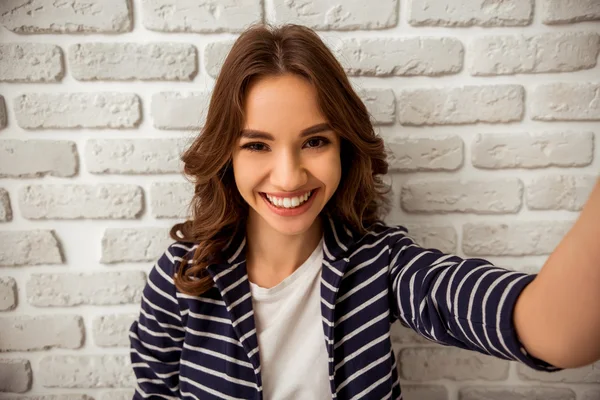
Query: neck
x,y
272,256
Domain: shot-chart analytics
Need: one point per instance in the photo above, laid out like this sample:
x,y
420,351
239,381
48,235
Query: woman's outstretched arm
x,y
557,316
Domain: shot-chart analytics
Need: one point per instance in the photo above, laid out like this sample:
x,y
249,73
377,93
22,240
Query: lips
x,y
289,212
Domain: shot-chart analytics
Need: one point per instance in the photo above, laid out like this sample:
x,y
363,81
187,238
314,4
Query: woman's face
x,y
287,160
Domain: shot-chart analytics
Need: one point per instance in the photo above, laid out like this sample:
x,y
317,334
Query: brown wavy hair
x,y
218,211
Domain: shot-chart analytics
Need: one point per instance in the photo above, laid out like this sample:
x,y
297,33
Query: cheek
x,y
239,173
247,172
329,170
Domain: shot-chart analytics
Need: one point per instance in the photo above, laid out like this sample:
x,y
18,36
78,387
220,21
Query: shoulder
x,y
169,261
380,232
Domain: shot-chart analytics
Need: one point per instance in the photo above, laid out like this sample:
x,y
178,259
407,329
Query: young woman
x,y
285,282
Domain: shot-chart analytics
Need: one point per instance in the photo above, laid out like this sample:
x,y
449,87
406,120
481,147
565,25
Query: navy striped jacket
x,y
206,347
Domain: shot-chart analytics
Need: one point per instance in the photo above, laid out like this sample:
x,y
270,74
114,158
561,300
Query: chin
x,y
292,228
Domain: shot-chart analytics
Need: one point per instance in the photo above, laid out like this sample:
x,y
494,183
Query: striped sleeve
x,y
156,337
466,303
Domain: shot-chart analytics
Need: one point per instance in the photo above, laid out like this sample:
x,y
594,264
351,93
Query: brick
x,y
470,13
89,371
515,393
49,16
214,56
425,154
176,110
135,156
401,335
200,16
112,330
534,238
461,105
517,54
16,375
3,119
77,110
592,394
22,333
29,248
44,157
559,192
170,199
53,397
533,150
380,103
425,364
73,289
127,61
587,374
328,15
490,196
569,11
422,392
565,102
134,244
73,201
401,56
125,394
30,62
8,294
443,238
5,209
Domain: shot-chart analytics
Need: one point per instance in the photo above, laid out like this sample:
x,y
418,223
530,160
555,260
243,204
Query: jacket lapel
x,y
337,242
231,278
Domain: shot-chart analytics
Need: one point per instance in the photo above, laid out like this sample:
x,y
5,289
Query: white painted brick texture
x,y
502,196
45,157
2,112
8,293
532,150
70,201
5,208
425,154
77,110
28,333
30,62
16,375
402,56
461,105
125,61
112,330
566,102
490,111
97,288
569,11
424,364
48,16
29,248
200,16
92,371
470,12
332,15
550,52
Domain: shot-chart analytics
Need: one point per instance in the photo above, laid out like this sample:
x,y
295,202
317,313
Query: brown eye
x,y
316,142
255,146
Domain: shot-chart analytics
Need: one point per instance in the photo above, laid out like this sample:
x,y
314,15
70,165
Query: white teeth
x,y
289,202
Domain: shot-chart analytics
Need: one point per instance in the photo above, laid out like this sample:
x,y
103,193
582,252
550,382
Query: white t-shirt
x,y
291,343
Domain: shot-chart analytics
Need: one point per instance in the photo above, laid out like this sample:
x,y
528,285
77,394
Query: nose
x,y
288,172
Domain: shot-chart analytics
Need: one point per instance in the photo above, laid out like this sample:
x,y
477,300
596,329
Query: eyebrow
x,y
256,134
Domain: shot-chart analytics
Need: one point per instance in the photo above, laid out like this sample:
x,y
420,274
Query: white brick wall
x,y
490,110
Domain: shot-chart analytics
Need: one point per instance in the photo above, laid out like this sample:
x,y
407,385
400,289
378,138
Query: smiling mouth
x,y
288,202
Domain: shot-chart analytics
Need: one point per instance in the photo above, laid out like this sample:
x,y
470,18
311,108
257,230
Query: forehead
x,y
284,103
